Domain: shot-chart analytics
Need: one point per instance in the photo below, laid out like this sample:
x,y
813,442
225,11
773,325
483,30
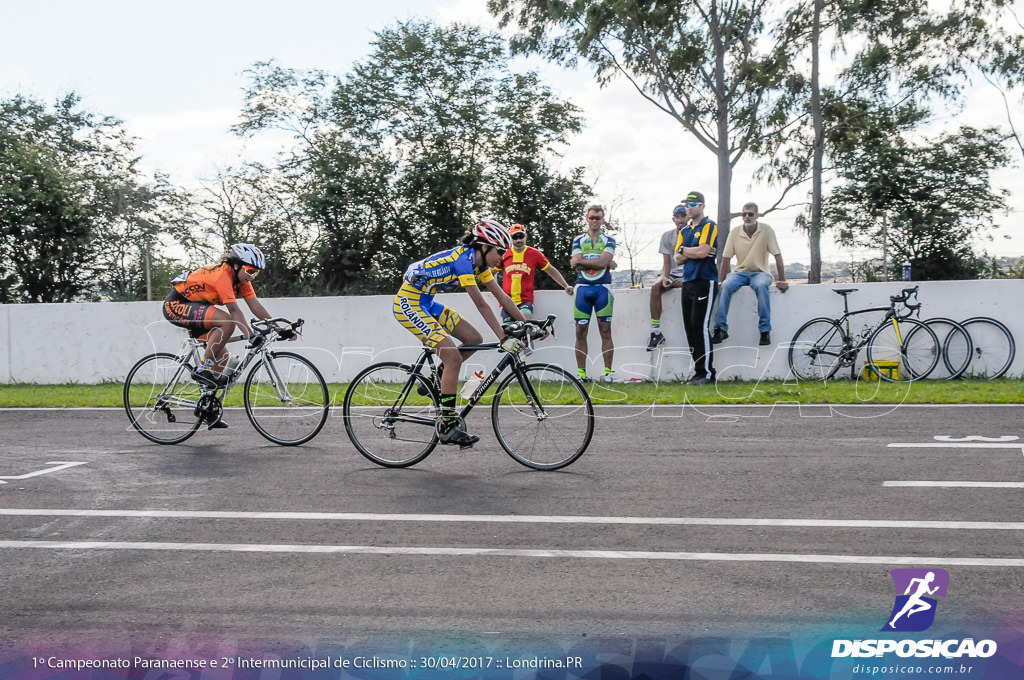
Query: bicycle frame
x,y
426,358
190,354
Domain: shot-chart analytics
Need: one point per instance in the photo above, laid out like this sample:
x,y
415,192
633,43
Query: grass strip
x,y
1003,391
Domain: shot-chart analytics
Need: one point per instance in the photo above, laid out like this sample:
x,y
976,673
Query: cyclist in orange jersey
x,y
191,305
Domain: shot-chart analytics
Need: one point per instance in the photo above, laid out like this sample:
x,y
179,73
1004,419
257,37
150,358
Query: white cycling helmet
x,y
492,232
247,253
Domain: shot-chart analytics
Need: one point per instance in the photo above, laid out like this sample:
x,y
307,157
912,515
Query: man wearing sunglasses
x,y
519,272
750,246
192,304
698,241
593,257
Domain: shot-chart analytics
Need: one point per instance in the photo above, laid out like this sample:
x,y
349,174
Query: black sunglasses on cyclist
x,y
517,237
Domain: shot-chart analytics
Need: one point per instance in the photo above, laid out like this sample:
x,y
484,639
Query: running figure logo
x,y
916,590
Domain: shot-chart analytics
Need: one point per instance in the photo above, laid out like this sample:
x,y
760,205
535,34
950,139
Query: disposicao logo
x,y
916,590
914,611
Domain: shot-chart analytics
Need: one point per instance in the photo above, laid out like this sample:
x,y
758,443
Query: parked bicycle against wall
x,y
898,348
284,395
541,413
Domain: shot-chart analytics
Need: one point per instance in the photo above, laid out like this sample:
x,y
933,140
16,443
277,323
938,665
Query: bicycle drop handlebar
x,y
530,329
264,327
904,298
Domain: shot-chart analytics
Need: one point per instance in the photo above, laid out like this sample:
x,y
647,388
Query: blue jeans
x,y
761,282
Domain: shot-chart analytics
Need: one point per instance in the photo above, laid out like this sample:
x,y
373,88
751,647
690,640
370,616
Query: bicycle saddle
x,y
844,291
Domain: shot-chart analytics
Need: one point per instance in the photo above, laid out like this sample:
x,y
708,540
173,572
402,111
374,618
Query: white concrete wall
x,y
93,342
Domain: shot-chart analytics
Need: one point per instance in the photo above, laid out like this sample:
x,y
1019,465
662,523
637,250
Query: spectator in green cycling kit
x,y
592,256
468,265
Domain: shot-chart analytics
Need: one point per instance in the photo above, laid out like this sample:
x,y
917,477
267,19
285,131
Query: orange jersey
x,y
214,285
520,271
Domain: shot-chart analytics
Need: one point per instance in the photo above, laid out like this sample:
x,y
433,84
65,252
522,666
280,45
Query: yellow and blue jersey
x,y
445,271
691,237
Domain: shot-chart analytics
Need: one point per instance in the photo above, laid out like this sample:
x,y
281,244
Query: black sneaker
x,y
210,379
718,336
656,339
218,425
766,338
458,435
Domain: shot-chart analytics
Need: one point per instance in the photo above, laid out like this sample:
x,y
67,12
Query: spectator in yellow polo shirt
x,y
520,267
751,246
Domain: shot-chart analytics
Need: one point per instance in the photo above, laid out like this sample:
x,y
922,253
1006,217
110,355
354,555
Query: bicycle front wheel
x,y
994,348
543,416
817,350
956,346
160,399
390,415
286,398
903,350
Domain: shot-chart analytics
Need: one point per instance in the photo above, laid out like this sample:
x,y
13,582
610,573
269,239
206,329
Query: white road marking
x,y
955,445
969,442
60,465
519,553
514,519
959,485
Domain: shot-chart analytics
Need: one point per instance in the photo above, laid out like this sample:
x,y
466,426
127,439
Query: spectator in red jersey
x,y
520,269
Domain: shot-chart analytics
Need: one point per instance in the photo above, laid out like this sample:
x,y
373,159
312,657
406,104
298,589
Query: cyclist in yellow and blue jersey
x,y
468,265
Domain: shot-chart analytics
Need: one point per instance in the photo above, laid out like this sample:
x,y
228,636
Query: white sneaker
x,y
608,377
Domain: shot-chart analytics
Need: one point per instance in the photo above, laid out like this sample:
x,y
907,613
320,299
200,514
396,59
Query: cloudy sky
x,y
173,73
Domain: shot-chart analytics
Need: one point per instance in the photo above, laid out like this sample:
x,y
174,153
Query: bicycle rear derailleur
x,y
209,409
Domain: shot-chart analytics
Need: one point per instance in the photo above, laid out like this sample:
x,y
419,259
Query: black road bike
x,y
898,348
541,413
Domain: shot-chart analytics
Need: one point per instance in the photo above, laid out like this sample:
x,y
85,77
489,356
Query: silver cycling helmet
x,y
248,254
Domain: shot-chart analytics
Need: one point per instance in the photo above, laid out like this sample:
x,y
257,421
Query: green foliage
x,y
931,197
72,207
399,158
712,66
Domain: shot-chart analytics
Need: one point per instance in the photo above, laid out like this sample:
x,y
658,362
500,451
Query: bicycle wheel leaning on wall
x,y
994,348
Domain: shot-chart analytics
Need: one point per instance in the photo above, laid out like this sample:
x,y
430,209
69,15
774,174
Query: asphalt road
x,y
677,521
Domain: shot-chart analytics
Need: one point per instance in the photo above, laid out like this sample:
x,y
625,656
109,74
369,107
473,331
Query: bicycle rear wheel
x,y
286,398
817,350
544,419
386,417
160,399
994,347
908,345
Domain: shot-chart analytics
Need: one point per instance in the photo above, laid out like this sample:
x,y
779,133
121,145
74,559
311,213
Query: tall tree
x,y
886,56
67,180
711,65
929,201
400,157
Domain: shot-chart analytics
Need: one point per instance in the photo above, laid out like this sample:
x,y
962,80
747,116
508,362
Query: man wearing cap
x,y
520,269
751,246
671,274
696,253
